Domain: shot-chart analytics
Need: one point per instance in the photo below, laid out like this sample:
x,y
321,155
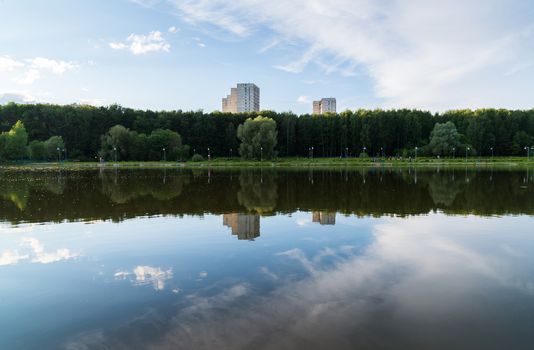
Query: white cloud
x,y
17,97
29,77
11,257
217,12
417,53
55,66
140,44
201,45
8,64
303,99
118,46
36,254
146,275
33,68
40,256
173,30
97,102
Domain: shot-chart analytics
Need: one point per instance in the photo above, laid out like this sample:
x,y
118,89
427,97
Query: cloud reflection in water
x,y
420,284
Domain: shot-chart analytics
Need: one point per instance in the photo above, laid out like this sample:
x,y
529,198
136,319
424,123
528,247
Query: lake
x,y
374,258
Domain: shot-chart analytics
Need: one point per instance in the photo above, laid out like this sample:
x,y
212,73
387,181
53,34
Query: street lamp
x,y
346,152
230,153
164,154
491,148
453,152
364,150
528,152
415,152
209,154
382,151
115,151
261,154
58,154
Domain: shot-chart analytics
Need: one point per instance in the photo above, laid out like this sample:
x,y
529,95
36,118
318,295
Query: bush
x,y
197,158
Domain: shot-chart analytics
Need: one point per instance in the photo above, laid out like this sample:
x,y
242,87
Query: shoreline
x,y
281,163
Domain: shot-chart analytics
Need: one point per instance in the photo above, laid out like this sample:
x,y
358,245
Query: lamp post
x,y
164,154
311,152
230,153
528,152
261,153
209,154
115,151
382,151
58,154
364,150
346,152
416,152
491,148
453,152
466,150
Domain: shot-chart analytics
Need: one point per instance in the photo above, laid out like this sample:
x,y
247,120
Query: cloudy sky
x,y
186,54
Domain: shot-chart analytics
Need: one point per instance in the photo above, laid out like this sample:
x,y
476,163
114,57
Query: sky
x,y
187,54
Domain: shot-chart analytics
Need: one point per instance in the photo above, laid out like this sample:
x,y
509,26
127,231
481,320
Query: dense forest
x,y
384,132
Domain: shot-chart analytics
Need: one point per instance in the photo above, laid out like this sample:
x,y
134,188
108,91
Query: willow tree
x,y
258,138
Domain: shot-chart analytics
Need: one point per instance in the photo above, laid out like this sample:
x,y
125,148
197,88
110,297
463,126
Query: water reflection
x,y
324,218
120,194
244,226
348,258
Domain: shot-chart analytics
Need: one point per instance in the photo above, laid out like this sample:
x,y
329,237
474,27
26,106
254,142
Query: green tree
x,y
258,137
37,150
52,145
165,139
520,141
116,143
443,138
15,141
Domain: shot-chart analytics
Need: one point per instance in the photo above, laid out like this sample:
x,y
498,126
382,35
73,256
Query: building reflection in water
x,y
324,218
244,226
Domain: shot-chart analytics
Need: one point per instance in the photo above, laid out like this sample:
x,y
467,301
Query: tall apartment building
x,y
325,105
244,226
243,98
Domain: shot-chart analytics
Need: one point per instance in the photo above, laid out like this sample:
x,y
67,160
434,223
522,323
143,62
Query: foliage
x,y
55,147
37,150
443,139
197,158
508,132
14,142
125,144
258,138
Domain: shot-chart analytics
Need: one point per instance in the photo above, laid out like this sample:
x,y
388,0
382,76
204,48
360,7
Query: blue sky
x,y
184,54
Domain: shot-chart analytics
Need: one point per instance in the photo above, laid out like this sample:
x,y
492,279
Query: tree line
x,y
375,132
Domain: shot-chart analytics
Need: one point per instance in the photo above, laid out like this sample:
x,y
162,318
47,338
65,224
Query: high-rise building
x,y
243,98
324,218
325,105
244,226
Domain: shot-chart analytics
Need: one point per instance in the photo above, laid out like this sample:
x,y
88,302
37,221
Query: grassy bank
x,y
289,162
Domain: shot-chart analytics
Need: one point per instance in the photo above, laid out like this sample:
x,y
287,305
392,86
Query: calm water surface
x,y
265,259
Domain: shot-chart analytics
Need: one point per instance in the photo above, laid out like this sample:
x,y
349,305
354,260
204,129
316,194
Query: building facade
x,y
243,98
325,105
244,226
